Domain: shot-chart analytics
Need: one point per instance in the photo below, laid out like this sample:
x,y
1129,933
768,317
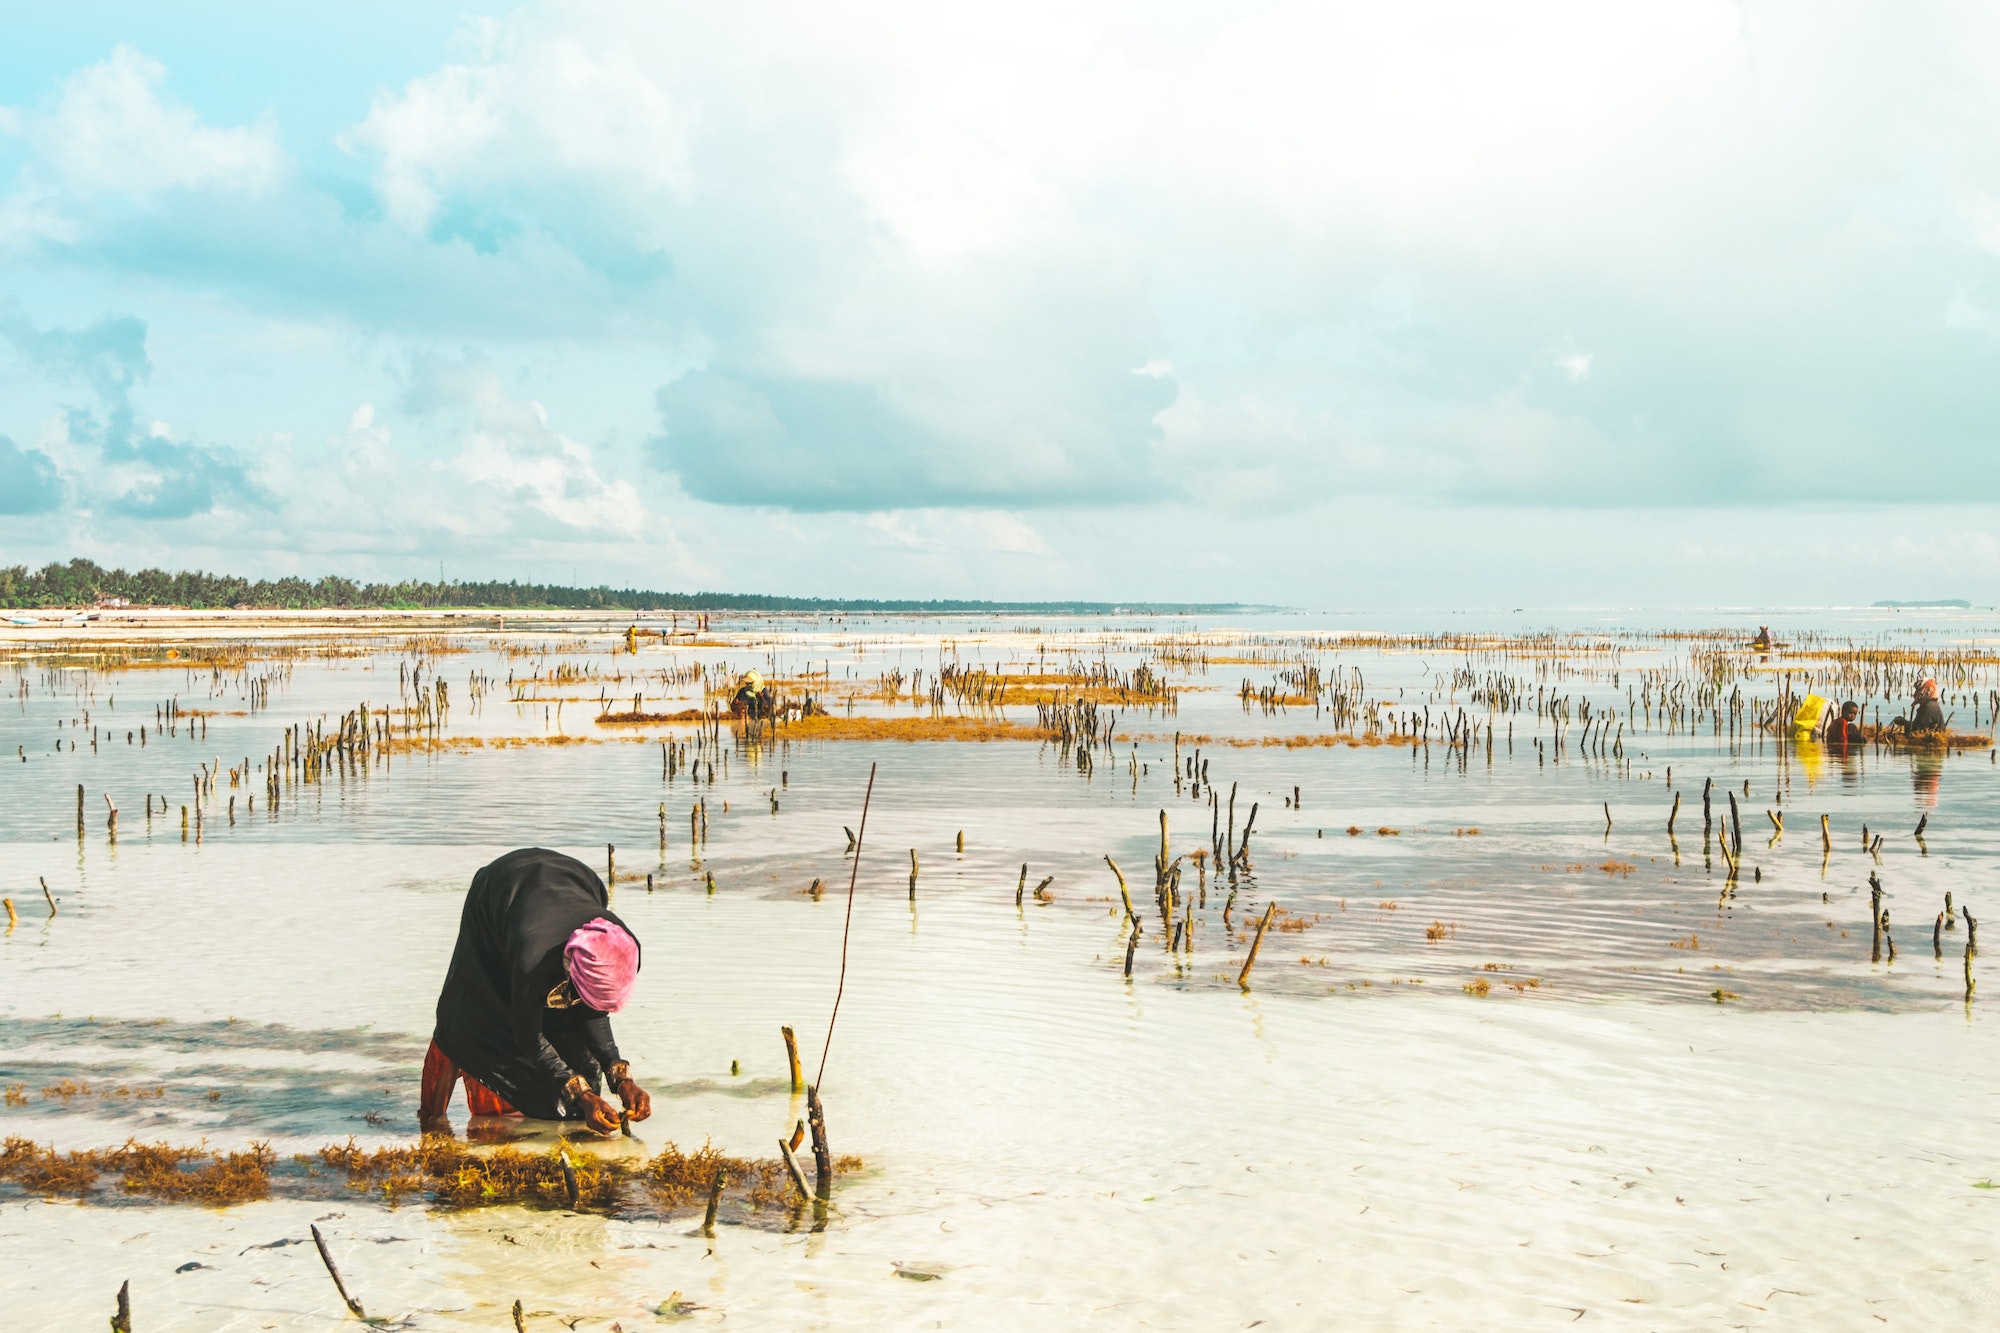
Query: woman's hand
x,y
637,1104
594,1110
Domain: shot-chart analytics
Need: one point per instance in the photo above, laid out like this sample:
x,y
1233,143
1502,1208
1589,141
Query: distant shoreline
x,y
84,585
108,626
736,605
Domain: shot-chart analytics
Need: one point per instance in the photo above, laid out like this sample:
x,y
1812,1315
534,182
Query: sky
x,y
1329,305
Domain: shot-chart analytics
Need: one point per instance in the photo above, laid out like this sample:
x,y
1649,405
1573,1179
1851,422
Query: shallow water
x,y
1357,1140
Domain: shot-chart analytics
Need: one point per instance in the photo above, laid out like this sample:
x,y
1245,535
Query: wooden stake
x,y
326,1257
122,1321
792,1058
1123,892
822,1155
792,1168
13,917
714,1201
50,896
570,1189
1673,814
1243,978
520,1319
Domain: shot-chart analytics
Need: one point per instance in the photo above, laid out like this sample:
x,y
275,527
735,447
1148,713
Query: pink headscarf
x,y
1927,688
603,959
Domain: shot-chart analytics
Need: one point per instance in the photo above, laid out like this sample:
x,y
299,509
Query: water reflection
x,y
1927,775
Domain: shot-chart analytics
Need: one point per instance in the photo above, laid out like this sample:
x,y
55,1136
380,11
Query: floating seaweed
x,y
438,1169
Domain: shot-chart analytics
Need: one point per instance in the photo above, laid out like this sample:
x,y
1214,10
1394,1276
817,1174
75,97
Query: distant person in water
x,y
1762,643
525,1015
1926,713
751,698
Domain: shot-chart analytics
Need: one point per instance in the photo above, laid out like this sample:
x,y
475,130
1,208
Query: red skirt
x,y
441,1076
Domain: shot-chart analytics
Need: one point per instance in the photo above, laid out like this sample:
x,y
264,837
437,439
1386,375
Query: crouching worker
x,y
524,1018
751,699
1926,713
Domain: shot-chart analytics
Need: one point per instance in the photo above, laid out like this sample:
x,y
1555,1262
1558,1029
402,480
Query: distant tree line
x,y
81,583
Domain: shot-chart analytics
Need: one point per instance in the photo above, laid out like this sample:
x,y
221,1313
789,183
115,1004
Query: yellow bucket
x,y
1812,711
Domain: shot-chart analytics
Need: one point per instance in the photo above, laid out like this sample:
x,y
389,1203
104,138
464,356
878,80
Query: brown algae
x,y
439,1169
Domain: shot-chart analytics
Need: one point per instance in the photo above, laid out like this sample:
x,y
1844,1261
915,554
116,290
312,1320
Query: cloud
x,y
815,445
108,139
534,108
149,475
145,472
903,260
973,532
29,483
32,215
510,450
109,355
1576,365
110,130
910,264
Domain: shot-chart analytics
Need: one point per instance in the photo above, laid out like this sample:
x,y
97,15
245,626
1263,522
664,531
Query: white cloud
x,y
512,453
530,111
31,215
553,474
111,130
363,454
1984,215
1351,249
964,533
1961,311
